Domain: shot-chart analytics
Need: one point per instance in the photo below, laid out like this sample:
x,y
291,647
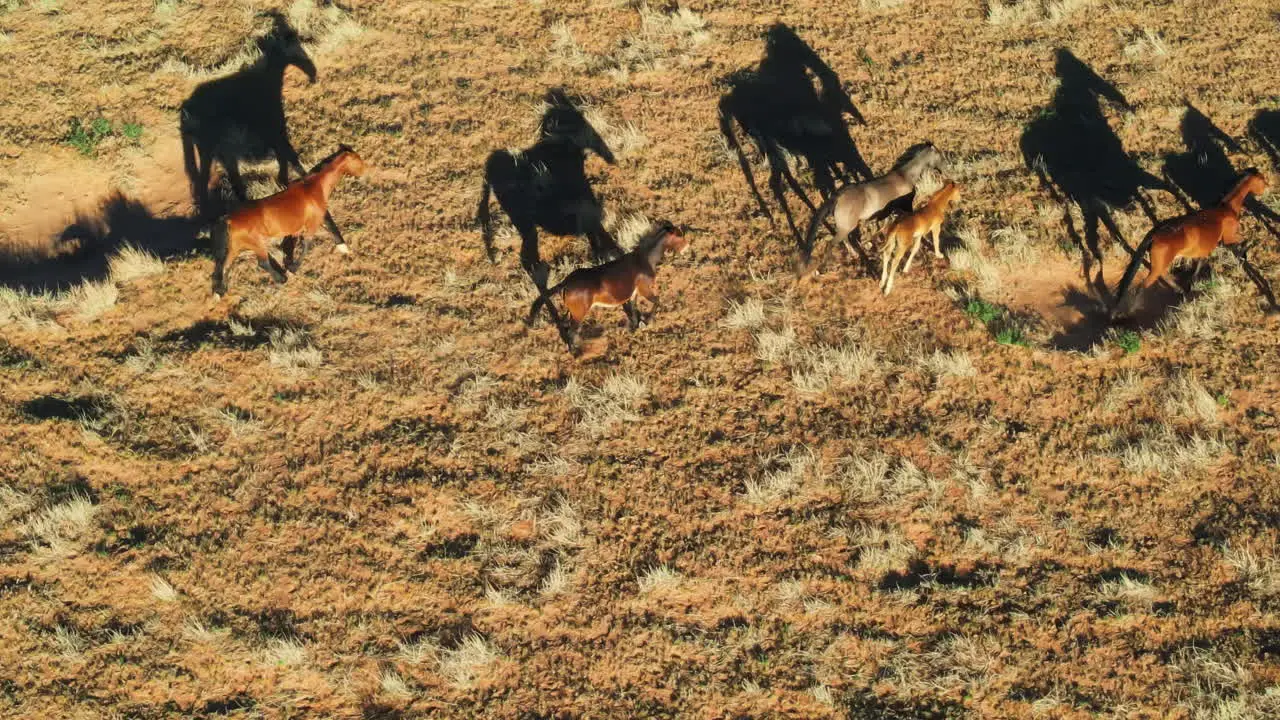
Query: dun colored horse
x,y
615,283
853,204
1192,236
926,220
300,208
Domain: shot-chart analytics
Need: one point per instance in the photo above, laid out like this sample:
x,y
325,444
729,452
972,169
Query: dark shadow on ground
x,y
778,107
82,251
1080,160
1095,323
1205,175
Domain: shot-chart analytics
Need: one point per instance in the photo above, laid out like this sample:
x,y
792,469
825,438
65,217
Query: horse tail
x,y
220,244
1139,253
482,217
819,216
543,298
189,158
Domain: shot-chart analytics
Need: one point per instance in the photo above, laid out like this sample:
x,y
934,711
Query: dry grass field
x,y
373,492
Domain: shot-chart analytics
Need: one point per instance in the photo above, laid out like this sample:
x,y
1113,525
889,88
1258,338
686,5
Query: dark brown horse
x,y
615,283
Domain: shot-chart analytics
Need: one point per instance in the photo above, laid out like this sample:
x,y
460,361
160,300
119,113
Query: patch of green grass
x,y
1012,335
1222,400
133,131
85,138
1129,341
982,310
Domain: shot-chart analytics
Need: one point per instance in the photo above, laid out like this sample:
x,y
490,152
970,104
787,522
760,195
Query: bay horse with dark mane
x,y
1193,236
615,283
545,186
298,209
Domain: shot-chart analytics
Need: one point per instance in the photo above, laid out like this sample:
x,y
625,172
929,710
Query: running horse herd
x,y
545,187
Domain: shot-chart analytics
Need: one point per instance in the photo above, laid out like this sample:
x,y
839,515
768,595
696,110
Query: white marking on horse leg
x,y
343,249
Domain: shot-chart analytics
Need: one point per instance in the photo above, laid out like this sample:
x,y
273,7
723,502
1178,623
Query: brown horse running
x,y
853,204
299,208
1193,236
615,283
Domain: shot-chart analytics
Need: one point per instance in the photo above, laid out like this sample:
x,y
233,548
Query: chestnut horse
x,y
615,283
1192,236
926,220
299,208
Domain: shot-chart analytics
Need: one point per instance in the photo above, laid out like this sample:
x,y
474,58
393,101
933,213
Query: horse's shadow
x,y
239,119
1080,160
1095,323
1265,129
545,186
778,107
1204,174
83,250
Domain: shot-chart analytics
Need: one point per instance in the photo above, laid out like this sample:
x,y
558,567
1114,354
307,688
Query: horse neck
x,y
913,169
943,199
327,177
273,67
654,254
1235,199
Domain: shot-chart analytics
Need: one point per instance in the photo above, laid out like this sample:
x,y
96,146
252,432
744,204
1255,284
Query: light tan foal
x,y
913,227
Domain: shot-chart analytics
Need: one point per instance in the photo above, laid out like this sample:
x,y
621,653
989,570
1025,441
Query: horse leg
x,y
569,333
726,129
237,182
332,227
885,253
290,247
894,259
779,192
1114,229
646,287
914,249
267,262
1162,257
530,259
1197,271
856,233
532,263
937,242
1092,249
221,252
633,315
795,185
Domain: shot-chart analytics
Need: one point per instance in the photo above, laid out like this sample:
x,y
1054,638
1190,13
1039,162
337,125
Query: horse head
x,y
354,164
920,157
284,43
564,120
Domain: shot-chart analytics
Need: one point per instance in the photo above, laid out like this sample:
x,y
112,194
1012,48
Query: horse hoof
x,y
343,249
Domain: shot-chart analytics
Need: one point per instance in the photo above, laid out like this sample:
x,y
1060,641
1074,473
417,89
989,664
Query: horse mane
x,y
334,156
650,240
910,153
